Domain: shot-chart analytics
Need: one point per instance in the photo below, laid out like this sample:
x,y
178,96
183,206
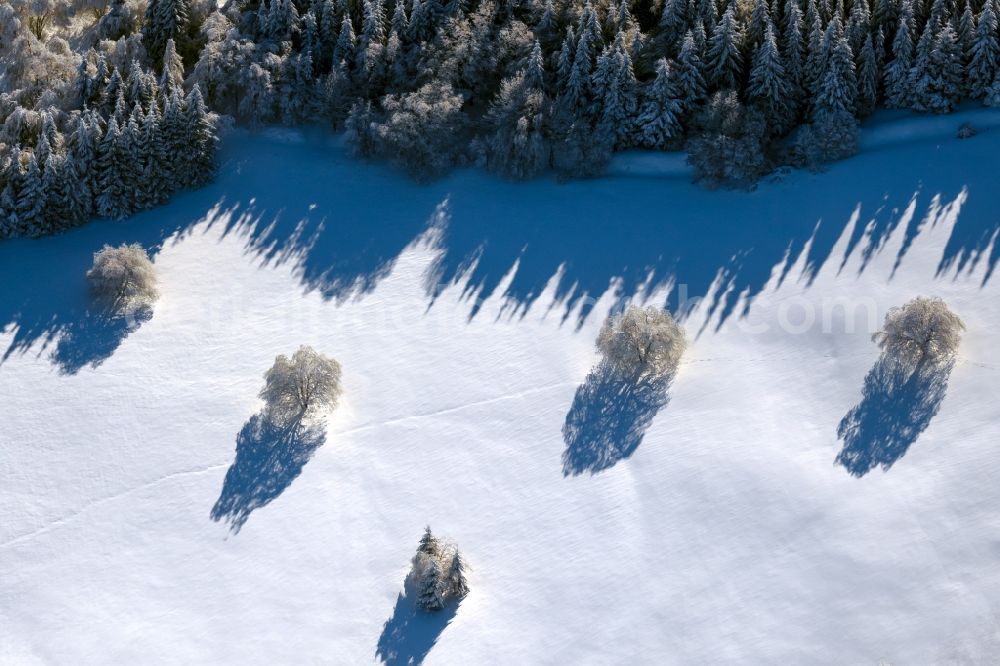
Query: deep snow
x,y
714,526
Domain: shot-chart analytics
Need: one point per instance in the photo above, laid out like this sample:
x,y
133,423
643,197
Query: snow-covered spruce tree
x,y
920,73
689,73
858,25
985,51
615,94
519,146
122,279
456,585
172,71
658,123
868,77
815,54
898,83
730,145
793,49
940,85
769,86
201,139
30,205
164,20
725,62
430,592
922,330
429,545
833,133
674,19
641,342
300,387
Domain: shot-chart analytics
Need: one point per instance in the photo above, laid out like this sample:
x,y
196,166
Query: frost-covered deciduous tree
x,y
422,130
300,387
922,330
642,342
122,279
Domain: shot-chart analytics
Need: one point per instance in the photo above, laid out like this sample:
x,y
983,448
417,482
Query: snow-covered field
x,y
713,529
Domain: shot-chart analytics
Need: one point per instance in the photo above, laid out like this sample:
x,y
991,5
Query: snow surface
x,y
714,529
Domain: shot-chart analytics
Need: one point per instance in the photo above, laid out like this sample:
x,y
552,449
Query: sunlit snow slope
x,y
713,529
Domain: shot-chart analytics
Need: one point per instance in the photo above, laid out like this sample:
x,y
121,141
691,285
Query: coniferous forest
x,y
108,107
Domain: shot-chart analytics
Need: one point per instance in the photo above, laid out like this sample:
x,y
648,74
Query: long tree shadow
x,y
410,633
313,210
609,418
897,404
268,459
94,337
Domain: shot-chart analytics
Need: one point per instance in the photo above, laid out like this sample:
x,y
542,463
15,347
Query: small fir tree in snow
x,y
437,573
429,545
456,584
430,596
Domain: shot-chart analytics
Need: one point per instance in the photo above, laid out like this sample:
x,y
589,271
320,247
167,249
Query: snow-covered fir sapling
x,y
430,590
920,331
299,387
122,279
437,573
642,342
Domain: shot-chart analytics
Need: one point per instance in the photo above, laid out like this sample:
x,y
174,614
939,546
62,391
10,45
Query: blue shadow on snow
x,y
608,419
897,404
268,459
341,224
408,636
